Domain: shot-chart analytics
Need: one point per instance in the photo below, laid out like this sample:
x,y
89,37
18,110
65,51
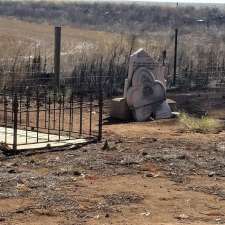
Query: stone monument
x,y
144,89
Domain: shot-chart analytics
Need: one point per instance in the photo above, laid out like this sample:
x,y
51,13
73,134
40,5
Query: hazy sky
x,y
197,1
186,1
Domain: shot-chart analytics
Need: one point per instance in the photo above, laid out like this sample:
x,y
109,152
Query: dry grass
x,y
24,38
198,48
204,124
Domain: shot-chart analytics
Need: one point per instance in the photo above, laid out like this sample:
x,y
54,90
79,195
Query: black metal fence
x,y
201,78
34,111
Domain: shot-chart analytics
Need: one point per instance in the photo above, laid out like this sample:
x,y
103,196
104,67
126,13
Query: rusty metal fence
x,y
36,112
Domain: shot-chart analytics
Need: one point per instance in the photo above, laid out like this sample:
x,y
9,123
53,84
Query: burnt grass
x,y
44,177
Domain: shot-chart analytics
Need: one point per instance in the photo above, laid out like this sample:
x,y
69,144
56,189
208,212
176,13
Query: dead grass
x,y
203,53
24,38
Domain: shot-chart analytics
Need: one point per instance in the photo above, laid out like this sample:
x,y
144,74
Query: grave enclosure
x,y
39,116
40,109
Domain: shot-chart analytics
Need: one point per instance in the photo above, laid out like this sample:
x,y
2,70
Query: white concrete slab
x,y
32,139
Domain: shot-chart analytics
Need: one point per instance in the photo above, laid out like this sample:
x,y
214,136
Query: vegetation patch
x,y
204,124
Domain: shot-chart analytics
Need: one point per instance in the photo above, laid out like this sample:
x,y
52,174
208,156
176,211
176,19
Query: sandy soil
x,y
146,173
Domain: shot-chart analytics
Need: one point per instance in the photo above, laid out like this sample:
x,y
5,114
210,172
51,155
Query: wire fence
x,y
201,78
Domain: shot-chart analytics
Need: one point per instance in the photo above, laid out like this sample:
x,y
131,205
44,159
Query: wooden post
x,y
175,58
57,56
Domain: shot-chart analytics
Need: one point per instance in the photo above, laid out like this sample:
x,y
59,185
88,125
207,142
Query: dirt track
x,y
149,173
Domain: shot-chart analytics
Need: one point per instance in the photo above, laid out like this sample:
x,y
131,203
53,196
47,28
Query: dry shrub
x,y
204,124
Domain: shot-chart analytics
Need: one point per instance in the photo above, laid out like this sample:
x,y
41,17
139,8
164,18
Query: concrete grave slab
x,y
32,139
120,109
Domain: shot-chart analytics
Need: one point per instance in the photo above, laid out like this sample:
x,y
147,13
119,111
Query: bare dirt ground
x,y
149,173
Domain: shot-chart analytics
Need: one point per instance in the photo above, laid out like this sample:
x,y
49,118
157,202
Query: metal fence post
x,y
100,116
5,114
81,93
175,58
57,56
15,118
90,115
38,113
100,104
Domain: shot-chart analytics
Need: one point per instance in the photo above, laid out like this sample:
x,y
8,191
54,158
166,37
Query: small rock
x,y
106,215
182,217
146,214
77,173
57,158
211,174
97,217
106,146
11,171
149,175
144,153
154,175
181,157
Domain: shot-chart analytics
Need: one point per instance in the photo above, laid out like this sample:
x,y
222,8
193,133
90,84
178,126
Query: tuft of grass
x,y
204,124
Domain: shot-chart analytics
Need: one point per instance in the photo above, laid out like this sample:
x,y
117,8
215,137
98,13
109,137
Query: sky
x,y
191,1
197,1
181,1
185,1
